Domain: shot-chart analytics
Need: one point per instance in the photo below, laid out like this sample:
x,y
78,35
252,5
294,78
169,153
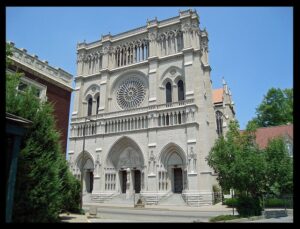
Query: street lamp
x,y
83,152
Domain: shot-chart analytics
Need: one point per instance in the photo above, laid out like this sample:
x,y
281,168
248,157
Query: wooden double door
x,y
178,184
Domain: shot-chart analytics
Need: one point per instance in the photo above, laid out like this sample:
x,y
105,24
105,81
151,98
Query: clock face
x,y
131,93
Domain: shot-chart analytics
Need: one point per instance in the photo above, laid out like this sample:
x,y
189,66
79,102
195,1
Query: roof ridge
x,y
275,126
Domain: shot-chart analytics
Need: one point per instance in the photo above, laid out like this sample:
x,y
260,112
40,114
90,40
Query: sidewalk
x,y
73,218
78,218
215,208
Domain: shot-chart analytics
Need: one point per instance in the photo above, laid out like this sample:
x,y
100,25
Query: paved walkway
x,y
218,209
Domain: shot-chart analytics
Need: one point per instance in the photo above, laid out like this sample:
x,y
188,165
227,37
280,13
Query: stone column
x,y
128,184
77,110
103,96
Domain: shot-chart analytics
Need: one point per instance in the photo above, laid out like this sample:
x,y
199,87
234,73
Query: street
x,y
113,214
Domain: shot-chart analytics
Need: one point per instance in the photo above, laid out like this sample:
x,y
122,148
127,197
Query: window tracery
x,y
131,93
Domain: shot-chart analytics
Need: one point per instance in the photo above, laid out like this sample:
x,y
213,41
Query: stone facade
x,y
144,118
53,84
224,108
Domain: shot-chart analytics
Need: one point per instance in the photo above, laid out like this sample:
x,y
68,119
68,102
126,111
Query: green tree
x,y
238,161
250,171
279,167
240,165
44,186
275,109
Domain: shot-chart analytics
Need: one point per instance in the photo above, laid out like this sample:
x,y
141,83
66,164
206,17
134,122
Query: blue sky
x,y
251,47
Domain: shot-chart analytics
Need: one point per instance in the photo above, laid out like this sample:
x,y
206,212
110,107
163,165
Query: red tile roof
x,y
218,95
264,134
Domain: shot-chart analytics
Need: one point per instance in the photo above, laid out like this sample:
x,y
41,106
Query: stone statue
x,y
192,160
152,163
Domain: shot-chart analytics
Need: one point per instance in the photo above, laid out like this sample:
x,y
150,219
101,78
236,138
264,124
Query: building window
x,y
97,104
180,90
90,104
39,89
168,93
219,119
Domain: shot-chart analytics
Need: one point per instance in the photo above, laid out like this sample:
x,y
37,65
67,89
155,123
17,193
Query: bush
x,y
223,218
248,206
278,203
232,202
70,189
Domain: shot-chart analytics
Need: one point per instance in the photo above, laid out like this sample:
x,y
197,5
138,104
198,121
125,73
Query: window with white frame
x,y
40,91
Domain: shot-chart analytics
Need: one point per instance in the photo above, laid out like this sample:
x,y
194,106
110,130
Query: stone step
x,y
173,199
121,199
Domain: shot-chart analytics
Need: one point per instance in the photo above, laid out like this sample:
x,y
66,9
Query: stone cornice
x,y
32,64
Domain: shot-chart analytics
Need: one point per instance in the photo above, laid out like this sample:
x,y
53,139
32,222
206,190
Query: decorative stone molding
x,y
57,75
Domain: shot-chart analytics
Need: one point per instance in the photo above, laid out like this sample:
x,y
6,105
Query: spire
x,y
223,80
225,87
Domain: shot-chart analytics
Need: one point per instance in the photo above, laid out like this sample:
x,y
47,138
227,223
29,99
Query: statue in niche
x,y
152,163
97,165
192,160
128,178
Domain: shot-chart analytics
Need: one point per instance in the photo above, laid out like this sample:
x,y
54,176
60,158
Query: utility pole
x,y
82,160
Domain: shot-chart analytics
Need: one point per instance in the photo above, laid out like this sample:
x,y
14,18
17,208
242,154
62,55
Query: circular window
x,y
131,93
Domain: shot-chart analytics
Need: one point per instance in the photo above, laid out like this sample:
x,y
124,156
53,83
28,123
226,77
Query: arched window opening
x,y
168,93
167,120
98,97
219,119
180,90
179,118
90,104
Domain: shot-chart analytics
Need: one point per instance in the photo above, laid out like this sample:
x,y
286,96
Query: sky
x,y
251,47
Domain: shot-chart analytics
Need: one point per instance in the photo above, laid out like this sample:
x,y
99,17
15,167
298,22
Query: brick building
x,y
52,84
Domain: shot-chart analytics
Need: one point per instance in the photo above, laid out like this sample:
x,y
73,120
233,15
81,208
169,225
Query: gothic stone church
x,y
145,115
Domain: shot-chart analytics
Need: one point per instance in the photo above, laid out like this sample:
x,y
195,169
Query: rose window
x,y
131,93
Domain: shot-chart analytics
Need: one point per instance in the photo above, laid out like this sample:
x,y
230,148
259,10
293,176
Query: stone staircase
x,y
101,198
173,199
121,199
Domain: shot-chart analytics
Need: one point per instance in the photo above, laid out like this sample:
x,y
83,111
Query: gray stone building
x,y
144,114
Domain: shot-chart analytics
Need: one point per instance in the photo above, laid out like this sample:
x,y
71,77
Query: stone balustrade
x,y
155,116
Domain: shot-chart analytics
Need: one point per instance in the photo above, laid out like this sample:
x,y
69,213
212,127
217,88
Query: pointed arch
x,y
172,151
168,92
180,88
125,152
85,160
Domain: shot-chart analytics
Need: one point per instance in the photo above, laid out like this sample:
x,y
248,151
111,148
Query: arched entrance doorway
x,y
172,174
86,166
125,162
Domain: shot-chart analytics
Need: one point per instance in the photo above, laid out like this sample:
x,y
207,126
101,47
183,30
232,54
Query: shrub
x,y
248,206
223,218
278,203
232,202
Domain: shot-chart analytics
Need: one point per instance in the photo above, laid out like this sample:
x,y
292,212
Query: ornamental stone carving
x,y
186,27
192,160
131,93
151,163
152,36
204,44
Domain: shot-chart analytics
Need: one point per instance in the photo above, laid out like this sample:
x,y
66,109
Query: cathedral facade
x,y
144,115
